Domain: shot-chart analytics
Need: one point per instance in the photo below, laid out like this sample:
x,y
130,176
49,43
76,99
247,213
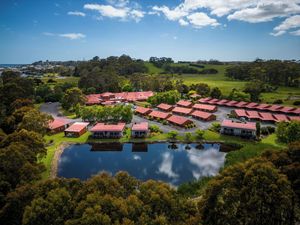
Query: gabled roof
x,y
101,127
275,108
287,109
296,111
142,110
265,116
240,112
241,104
160,115
205,107
179,120
57,122
231,103
262,106
239,125
184,103
201,114
213,101
251,105
143,126
297,118
164,106
77,127
204,100
222,102
281,117
182,110
253,114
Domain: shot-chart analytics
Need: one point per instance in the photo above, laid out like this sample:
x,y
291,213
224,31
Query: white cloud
x,y
183,22
296,32
289,23
72,36
111,11
252,11
76,13
200,20
166,165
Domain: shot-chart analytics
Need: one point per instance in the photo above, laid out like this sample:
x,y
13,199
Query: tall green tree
x,y
72,97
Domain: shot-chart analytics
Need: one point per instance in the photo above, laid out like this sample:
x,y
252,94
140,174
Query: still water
x,y
171,163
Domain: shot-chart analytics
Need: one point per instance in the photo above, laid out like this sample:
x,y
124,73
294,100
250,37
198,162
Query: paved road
x,y
54,110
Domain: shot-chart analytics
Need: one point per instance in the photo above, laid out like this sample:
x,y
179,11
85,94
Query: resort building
x,y
142,111
109,98
140,130
76,129
102,130
58,125
205,108
179,121
184,103
242,129
205,116
159,115
165,107
182,111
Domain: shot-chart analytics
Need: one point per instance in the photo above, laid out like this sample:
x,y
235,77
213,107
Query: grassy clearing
x,y
60,80
153,69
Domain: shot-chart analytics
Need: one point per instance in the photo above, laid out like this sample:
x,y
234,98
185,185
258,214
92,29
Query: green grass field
x,y
226,84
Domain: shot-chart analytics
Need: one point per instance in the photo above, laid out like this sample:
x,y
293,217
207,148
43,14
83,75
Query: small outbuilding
x,y
142,111
179,121
102,130
140,130
182,111
76,129
205,116
184,103
58,125
165,107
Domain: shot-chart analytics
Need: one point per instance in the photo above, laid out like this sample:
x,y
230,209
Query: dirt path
x,y
54,164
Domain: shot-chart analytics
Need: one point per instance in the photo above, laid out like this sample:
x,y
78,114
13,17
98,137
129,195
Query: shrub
x,y
155,129
278,101
264,131
199,134
188,137
172,134
215,126
296,102
271,129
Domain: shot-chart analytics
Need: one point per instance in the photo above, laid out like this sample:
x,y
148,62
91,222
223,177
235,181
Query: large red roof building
x,y
139,130
243,129
113,98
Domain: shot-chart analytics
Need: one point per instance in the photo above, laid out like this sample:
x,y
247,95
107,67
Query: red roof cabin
x,y
242,129
281,118
213,101
205,108
231,103
165,107
262,106
159,115
179,121
182,111
295,118
184,103
76,129
222,102
205,116
241,104
251,105
142,111
253,115
102,130
275,108
140,130
58,125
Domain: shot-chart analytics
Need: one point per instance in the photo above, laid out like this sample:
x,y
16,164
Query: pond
x,y
171,163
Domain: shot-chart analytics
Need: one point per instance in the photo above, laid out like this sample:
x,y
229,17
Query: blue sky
x,y
181,29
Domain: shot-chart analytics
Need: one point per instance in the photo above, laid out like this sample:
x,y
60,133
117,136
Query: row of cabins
x,y
100,130
251,105
263,116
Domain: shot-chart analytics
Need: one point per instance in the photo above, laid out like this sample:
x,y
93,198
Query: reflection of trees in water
x,y
200,147
188,147
173,146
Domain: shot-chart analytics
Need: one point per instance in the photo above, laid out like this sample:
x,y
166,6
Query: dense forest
x,y
273,72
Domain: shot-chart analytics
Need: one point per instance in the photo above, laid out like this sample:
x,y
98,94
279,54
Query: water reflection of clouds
x,y
137,157
208,162
166,166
